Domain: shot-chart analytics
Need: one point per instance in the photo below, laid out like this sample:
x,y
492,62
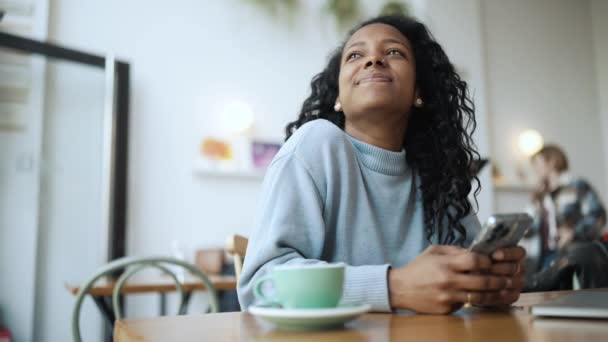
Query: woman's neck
x,y
388,137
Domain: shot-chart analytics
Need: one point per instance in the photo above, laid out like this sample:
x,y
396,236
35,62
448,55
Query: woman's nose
x,y
374,61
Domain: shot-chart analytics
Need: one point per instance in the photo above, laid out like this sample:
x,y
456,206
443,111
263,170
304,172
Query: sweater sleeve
x,y
290,229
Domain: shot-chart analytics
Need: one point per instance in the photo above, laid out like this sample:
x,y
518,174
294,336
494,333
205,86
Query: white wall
x,y
599,20
541,75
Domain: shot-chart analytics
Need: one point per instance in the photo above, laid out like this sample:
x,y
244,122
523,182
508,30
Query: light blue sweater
x,y
328,197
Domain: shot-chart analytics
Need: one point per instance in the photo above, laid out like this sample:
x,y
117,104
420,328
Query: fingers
x,y
517,282
509,296
484,281
468,262
513,272
445,250
478,282
509,254
506,268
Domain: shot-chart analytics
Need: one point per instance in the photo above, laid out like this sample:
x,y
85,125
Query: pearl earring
x,y
338,107
419,102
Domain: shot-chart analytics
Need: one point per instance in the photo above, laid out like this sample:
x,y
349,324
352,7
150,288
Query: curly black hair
x,y
438,139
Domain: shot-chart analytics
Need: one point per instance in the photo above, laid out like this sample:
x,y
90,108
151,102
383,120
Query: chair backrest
x,y
236,245
132,265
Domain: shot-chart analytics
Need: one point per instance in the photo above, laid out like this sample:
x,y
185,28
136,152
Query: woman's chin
x,y
379,104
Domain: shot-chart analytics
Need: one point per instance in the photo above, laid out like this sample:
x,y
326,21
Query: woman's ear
x,y
418,101
338,105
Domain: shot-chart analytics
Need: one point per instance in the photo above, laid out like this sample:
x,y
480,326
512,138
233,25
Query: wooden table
x,y
161,284
472,324
101,292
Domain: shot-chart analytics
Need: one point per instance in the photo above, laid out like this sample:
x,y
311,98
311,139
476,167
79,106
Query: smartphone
x,y
499,231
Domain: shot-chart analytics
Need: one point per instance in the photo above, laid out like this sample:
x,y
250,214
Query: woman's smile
x,y
376,77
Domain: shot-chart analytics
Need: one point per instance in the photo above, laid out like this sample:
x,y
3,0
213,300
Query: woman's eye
x,y
394,52
353,55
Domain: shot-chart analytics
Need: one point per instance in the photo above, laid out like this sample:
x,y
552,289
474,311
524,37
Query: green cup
x,y
303,286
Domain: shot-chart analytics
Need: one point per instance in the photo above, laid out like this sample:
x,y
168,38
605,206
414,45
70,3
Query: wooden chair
x,y
210,260
132,265
236,245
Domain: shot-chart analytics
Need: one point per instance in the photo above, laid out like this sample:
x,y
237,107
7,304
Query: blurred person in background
x,y
568,215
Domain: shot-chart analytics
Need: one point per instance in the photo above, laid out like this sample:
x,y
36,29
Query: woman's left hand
x,y
509,262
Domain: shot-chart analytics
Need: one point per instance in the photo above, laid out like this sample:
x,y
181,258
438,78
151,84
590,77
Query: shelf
x,y
513,187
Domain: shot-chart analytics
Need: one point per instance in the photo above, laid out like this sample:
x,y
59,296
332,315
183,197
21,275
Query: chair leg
x,y
163,303
184,307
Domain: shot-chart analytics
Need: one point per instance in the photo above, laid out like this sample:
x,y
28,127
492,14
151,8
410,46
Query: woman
x,y
375,174
566,208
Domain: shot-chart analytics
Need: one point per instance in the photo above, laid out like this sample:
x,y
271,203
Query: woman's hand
x,y
509,262
442,278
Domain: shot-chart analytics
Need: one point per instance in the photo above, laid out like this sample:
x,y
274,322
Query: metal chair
x,y
132,265
236,245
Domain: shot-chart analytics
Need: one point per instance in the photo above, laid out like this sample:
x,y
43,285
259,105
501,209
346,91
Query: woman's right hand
x,y
443,277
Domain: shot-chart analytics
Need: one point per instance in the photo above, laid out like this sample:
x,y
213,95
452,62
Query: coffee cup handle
x,y
259,294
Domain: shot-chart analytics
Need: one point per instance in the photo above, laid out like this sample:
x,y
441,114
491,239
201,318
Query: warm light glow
x,y
530,142
237,117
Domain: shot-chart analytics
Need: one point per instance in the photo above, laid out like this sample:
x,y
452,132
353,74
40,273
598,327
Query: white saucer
x,y
309,319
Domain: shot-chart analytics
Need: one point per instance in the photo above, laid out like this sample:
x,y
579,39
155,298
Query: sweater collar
x,y
380,160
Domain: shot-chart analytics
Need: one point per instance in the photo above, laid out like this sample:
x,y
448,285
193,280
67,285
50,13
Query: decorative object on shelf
x,y
239,156
216,149
220,155
225,148
497,176
262,153
506,187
